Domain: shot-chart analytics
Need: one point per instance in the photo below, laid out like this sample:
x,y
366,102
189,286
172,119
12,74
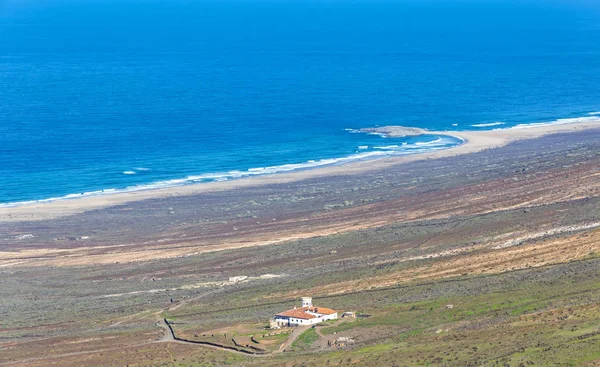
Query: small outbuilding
x,y
273,325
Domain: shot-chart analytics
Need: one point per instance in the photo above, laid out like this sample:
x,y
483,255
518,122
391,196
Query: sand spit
x,y
474,141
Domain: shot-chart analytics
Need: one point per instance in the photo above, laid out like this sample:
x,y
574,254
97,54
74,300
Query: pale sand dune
x,y
475,141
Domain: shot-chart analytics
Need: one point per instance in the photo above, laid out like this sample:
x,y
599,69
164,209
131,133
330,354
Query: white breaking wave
x,y
69,196
489,124
426,143
129,172
559,122
594,113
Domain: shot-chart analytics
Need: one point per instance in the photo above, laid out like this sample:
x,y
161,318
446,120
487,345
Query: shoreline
x,y
474,141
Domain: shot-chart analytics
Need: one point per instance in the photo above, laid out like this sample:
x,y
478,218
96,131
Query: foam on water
x,y
428,143
489,124
65,197
573,120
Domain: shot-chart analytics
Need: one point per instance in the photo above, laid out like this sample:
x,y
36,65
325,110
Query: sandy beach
x,y
517,224
474,141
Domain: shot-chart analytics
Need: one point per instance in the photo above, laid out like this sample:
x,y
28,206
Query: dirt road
x,y
292,338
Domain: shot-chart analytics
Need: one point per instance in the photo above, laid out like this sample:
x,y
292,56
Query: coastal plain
x,y
486,254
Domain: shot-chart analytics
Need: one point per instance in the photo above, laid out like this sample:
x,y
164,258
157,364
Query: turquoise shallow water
x,y
101,96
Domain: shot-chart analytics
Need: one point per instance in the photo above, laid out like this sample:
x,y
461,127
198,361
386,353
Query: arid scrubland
x,y
488,258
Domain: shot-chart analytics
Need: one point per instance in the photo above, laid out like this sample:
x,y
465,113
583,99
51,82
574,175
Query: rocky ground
x,y
510,237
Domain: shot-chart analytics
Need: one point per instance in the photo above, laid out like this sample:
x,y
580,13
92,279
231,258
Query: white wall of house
x,y
292,321
323,317
333,316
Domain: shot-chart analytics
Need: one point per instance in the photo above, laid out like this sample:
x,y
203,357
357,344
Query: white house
x,y
305,315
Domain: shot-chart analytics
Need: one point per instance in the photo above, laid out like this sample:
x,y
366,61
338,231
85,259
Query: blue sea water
x,y
103,95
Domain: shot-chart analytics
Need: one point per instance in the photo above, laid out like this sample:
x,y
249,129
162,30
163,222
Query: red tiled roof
x,y
300,313
322,310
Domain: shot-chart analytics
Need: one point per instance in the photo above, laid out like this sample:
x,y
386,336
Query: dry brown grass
x,y
476,260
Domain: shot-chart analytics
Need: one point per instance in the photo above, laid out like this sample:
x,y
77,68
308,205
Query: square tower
x,y
306,301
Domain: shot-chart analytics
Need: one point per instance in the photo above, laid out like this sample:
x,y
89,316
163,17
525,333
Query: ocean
x,y
99,96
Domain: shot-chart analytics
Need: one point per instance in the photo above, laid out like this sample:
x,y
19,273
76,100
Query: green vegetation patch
x,y
305,340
